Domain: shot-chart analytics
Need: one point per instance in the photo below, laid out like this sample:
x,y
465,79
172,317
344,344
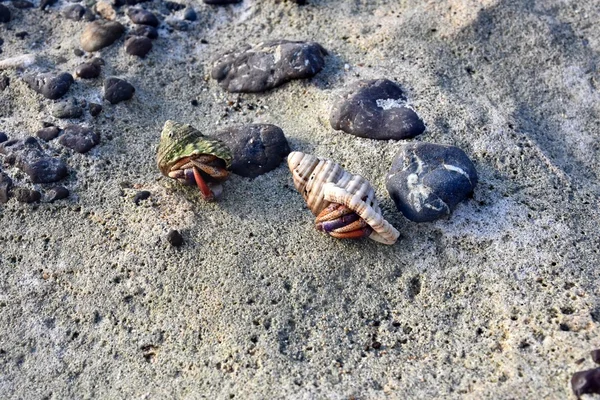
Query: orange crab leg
x,y
207,194
215,172
357,234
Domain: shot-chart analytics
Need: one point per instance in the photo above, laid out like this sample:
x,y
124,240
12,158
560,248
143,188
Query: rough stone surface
x,y
51,85
48,133
105,10
499,301
68,108
428,180
268,65
100,34
79,138
25,195
117,90
142,17
376,109
256,148
138,46
28,156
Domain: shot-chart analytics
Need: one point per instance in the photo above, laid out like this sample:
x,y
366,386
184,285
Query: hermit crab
x,y
344,204
188,156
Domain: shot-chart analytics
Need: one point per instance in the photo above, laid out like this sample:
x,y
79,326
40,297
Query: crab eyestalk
x,y
341,222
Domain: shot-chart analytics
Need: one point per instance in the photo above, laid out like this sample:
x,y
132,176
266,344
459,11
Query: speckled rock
x,y
222,2
586,382
88,70
57,193
77,12
105,10
427,181
5,187
142,17
376,109
138,46
144,30
4,14
51,85
268,65
117,90
25,195
256,148
68,108
79,138
95,109
48,133
100,34
28,156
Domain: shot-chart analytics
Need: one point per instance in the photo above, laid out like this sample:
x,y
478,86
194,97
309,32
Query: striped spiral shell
x,y
322,182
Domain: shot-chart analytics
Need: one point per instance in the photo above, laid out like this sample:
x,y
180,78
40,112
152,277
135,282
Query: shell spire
x,y
323,182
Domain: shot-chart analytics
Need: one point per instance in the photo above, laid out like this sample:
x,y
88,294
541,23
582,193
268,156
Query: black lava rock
x,y
51,85
79,138
376,109
256,148
28,156
142,17
145,30
77,12
4,13
100,34
48,133
117,90
138,46
5,187
427,181
586,382
95,109
4,82
3,137
175,238
24,195
22,4
268,65
189,14
141,195
68,108
88,70
299,2
57,193
222,2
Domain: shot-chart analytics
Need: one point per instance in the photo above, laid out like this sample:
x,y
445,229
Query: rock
x,y
268,65
78,52
173,6
427,181
22,4
22,61
3,137
68,108
106,10
22,35
79,138
4,13
28,156
77,12
595,356
586,382
24,195
88,70
46,3
138,46
256,148
178,24
57,193
299,2
145,30
117,90
376,109
175,238
100,34
4,82
141,195
5,187
189,14
221,2
142,17
48,133
95,109
51,85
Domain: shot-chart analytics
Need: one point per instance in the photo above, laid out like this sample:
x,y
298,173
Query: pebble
x,y
24,195
256,148
376,109
268,65
117,90
142,17
28,156
22,4
100,34
79,138
95,109
22,35
175,238
46,3
300,2
57,193
145,30
595,356
78,52
48,133
427,180
77,12
5,187
106,10
141,195
68,108
178,24
221,2
4,82
22,61
4,13
88,70
138,46
51,85
3,137
190,14
586,382
173,6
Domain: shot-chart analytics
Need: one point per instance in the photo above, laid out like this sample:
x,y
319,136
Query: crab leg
x,y
215,172
360,233
207,194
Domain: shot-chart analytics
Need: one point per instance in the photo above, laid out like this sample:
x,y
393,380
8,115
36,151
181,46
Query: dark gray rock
x,y
4,82
46,3
138,46
117,90
376,109
173,6
77,12
95,109
175,238
3,137
4,13
78,52
142,17
178,25
48,133
427,180
51,85
88,70
256,148
141,195
268,65
222,2
5,187
79,138
25,195
57,193
100,34
134,2
189,14
22,4
68,108
145,30
28,156
586,382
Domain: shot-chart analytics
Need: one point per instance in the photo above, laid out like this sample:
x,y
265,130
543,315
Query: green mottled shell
x,y
179,140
